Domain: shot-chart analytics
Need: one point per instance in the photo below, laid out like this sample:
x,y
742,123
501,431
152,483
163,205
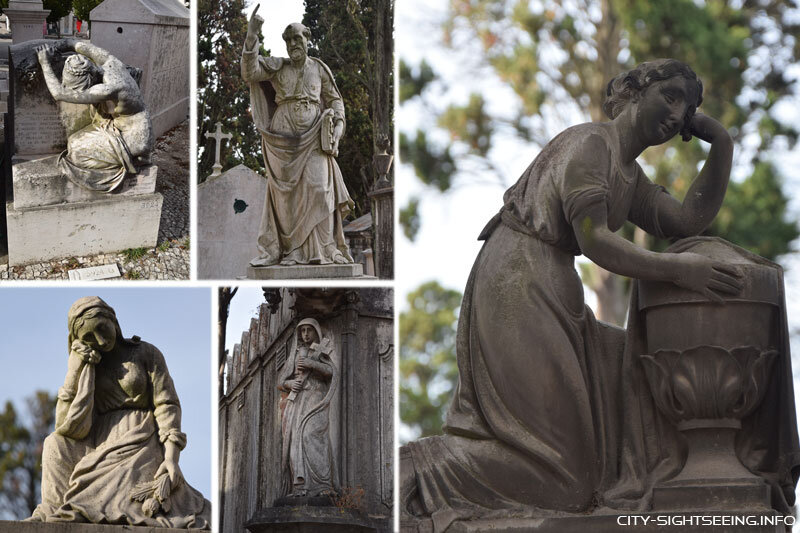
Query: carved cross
x,y
219,137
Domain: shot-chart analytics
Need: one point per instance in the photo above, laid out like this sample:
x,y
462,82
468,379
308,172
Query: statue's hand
x,y
254,24
301,363
45,53
297,385
86,353
706,128
170,467
706,276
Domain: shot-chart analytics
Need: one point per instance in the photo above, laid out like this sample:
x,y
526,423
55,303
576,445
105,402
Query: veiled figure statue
x,y
537,423
298,110
113,457
309,381
108,131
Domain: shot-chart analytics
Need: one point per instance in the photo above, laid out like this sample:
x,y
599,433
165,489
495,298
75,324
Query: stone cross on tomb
x,y
218,136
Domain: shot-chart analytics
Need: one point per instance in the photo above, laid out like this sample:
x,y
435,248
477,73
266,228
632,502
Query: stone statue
x,y
108,128
113,457
309,381
536,422
298,110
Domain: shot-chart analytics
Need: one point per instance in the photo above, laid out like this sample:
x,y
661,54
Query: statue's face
x,y
307,334
661,109
99,333
296,44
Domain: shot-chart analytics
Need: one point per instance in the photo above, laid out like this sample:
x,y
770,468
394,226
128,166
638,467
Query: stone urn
x,y
708,366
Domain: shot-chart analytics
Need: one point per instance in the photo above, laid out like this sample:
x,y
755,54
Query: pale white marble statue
x,y
298,110
113,457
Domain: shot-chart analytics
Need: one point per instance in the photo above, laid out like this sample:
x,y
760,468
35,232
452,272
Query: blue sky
x,y
33,350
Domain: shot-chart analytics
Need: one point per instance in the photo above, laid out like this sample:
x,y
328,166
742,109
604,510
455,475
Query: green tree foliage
x,y
82,8
222,96
21,454
557,57
58,9
428,368
354,38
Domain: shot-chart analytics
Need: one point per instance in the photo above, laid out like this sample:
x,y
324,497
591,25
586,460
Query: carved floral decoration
x,y
707,382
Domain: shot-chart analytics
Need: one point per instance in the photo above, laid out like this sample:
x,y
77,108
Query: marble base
x,y
84,228
306,519
40,182
650,522
733,494
64,527
351,270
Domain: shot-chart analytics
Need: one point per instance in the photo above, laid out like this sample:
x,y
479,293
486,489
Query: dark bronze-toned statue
x,y
553,411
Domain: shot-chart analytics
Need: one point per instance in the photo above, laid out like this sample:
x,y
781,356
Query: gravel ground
x,y
170,258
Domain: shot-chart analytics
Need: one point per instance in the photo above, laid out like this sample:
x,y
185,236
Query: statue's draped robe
x,y
97,157
306,199
307,448
111,441
537,422
534,419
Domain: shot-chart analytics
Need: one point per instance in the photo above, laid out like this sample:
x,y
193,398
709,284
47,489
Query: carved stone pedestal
x,y
351,270
26,18
310,519
698,522
82,228
64,527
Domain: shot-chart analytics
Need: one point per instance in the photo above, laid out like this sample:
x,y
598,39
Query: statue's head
x,y
665,92
93,322
308,331
79,72
296,36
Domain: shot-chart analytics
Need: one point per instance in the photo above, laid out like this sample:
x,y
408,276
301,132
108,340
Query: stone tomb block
x,y
36,128
152,35
48,216
40,182
82,228
229,209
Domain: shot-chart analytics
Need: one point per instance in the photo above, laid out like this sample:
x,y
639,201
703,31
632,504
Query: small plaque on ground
x,y
93,273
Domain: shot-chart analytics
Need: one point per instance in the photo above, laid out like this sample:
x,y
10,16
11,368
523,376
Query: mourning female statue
x,y
309,381
535,421
116,136
113,457
299,112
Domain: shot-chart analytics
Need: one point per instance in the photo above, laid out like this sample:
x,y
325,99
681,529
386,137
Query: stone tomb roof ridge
x,y
167,12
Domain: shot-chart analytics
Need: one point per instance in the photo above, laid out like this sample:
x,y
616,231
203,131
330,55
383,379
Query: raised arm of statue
x,y
93,95
95,53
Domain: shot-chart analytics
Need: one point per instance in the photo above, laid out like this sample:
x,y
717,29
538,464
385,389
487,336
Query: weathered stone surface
x,y
359,324
113,454
352,270
229,211
102,145
26,20
312,520
383,221
35,125
152,35
40,182
64,527
301,118
85,228
624,524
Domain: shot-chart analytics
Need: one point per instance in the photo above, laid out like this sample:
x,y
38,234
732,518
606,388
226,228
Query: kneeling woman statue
x,y
113,458
535,423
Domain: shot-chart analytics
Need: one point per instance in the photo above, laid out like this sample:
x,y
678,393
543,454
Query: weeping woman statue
x,y
108,128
